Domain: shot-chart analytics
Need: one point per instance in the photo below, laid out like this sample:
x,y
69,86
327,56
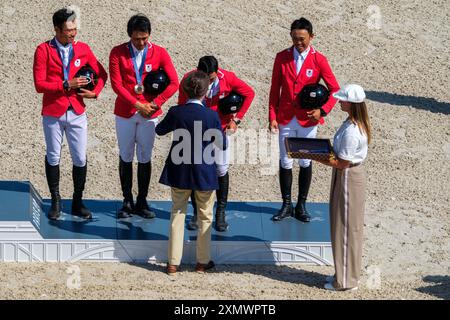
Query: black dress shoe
x,y
143,210
286,211
127,210
301,213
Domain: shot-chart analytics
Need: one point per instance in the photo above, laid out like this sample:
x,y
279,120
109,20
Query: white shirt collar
x,y
196,101
60,46
303,54
136,51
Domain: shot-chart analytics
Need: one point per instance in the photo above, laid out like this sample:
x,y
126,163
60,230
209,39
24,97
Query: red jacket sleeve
x,y
246,91
331,82
274,96
99,70
40,73
116,78
182,96
167,65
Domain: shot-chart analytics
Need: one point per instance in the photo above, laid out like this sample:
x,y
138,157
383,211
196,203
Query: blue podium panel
x,y
137,228
26,233
244,219
101,226
15,201
291,229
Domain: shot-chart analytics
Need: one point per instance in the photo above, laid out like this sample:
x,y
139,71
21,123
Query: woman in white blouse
x,y
348,187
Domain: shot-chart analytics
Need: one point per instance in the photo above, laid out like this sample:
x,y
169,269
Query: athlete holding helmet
x,y
295,68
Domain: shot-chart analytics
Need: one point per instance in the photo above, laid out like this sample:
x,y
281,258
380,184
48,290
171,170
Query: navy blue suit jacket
x,y
195,172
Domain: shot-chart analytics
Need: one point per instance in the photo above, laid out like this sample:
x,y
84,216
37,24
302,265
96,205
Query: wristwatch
x,y
237,121
66,85
322,112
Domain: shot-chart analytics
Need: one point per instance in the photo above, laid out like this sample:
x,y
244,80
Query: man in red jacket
x,y
222,82
55,64
137,110
294,68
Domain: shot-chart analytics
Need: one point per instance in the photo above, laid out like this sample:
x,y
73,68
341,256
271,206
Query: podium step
x,y
27,235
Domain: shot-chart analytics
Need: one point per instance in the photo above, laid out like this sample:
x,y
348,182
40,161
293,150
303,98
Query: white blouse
x,y
350,143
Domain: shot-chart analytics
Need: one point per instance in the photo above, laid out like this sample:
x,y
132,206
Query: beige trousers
x,y
347,200
205,204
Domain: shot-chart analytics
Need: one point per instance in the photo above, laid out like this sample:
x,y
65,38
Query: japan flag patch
x,y
148,67
77,63
309,73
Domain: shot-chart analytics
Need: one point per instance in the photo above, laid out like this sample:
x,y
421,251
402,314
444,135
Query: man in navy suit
x,y
191,168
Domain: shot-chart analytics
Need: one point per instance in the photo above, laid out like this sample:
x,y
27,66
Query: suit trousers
x,y
205,204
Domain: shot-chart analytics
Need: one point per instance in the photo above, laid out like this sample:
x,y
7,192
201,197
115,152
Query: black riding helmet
x,y
232,103
156,82
313,96
90,75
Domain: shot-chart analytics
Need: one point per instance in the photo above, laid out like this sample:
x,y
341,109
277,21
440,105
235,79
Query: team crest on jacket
x,y
148,67
77,63
309,73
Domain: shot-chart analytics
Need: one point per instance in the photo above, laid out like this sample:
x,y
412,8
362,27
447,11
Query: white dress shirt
x,y
139,54
196,101
213,89
64,52
299,58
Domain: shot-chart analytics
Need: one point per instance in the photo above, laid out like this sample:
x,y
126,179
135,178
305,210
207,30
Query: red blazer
x,y
49,76
286,86
228,82
123,78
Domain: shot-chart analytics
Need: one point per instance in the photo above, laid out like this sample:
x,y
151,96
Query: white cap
x,y
350,93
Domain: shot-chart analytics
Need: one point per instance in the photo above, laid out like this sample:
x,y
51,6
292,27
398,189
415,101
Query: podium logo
x,y
74,280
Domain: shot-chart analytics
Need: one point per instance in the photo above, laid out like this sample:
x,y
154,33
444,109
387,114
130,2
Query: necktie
x,y
299,63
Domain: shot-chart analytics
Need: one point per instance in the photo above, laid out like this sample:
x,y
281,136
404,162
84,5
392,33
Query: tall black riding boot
x,y
192,224
143,173
304,181
222,198
126,182
52,173
79,180
285,187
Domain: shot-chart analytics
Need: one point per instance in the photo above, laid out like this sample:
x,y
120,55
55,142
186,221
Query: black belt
x,y
70,108
354,164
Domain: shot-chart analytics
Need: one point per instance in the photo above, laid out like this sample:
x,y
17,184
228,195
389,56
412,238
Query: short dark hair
x,y
61,16
302,23
139,22
196,84
208,64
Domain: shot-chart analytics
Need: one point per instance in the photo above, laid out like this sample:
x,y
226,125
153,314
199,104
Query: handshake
x,y
146,109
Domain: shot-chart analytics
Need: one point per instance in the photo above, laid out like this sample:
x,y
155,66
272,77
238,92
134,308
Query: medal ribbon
x,y
66,69
138,71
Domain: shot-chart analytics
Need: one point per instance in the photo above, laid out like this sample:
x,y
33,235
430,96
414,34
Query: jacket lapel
x,y
291,60
54,54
